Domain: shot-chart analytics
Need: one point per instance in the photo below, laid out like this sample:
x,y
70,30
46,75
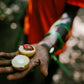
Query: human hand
x,y
40,58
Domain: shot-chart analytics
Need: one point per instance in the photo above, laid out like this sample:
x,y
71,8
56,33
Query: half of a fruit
x,y
27,50
20,62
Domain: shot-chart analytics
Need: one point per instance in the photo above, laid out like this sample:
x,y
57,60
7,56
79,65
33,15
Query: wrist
x,y
45,45
53,37
48,41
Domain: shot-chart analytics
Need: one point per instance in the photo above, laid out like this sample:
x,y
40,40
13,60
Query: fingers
x,y
5,62
6,70
9,55
44,67
20,75
17,75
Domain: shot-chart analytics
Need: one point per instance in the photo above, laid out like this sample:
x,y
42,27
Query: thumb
x,y
44,67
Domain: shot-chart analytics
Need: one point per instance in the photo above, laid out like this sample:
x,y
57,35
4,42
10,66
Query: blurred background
x,y
12,14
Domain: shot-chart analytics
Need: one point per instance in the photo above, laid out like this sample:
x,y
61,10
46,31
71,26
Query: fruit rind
x,y
20,62
28,53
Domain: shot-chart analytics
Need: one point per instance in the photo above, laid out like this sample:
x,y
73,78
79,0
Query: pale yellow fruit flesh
x,y
27,52
20,62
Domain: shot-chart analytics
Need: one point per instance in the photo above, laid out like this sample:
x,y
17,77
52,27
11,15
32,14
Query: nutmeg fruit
x,y
20,62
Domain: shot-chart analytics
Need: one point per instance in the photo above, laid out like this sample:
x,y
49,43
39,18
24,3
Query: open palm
x,y
41,58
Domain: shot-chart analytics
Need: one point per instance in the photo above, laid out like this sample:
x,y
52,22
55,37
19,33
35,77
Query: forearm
x,y
67,18
52,39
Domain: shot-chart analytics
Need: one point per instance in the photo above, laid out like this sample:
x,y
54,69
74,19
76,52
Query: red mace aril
x,y
28,47
28,50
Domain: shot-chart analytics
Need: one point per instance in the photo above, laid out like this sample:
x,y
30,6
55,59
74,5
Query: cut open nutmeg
x,y
20,62
27,50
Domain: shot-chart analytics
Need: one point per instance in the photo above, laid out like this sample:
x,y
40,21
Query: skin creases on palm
x,y
41,58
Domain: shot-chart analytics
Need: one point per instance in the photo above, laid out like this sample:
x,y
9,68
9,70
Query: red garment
x,y
41,14
79,3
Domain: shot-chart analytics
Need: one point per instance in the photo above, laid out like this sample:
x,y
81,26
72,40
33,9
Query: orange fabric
x,y
79,3
27,17
26,26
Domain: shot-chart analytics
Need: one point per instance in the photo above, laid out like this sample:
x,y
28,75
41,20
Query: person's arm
x,y
66,18
42,54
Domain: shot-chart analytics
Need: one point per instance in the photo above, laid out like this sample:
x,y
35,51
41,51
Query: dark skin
x,y
42,52
41,58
